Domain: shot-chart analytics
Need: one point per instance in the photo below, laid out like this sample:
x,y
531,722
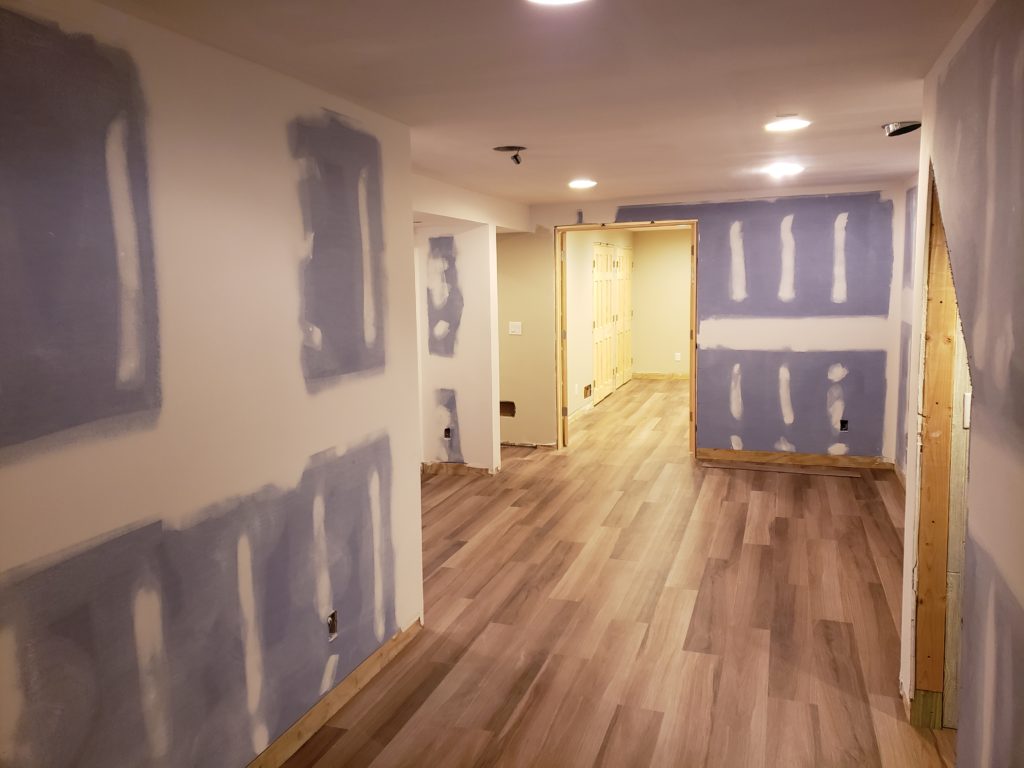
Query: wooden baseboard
x,y
662,376
288,743
785,457
542,446
448,468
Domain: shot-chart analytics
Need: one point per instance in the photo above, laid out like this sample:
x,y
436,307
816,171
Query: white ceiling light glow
x,y
582,184
556,2
787,123
782,170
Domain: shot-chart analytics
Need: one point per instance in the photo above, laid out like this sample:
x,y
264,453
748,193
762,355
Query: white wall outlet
x,y
515,328
679,357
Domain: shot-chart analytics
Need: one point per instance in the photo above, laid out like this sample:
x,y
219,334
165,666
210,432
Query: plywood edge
x,y
662,376
800,459
926,709
289,742
450,468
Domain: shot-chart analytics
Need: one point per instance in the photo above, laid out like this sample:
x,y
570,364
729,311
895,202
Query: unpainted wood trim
x,y
693,338
937,412
661,376
799,459
561,329
794,469
926,709
288,743
597,227
450,468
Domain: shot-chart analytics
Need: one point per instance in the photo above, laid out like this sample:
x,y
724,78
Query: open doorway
x,y
942,522
627,309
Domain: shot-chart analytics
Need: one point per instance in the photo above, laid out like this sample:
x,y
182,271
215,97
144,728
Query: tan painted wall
x,y
526,294
661,301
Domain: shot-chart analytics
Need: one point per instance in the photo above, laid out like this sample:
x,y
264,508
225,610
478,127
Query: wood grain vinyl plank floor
x,y
618,604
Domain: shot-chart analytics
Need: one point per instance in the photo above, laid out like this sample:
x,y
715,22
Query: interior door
x,y
624,317
604,323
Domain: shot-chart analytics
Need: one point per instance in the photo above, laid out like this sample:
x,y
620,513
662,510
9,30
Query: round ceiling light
x,y
787,123
782,170
556,2
582,184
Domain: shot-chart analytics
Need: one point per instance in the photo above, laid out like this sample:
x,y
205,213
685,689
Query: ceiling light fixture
x,y
515,150
556,2
786,123
901,127
782,170
582,184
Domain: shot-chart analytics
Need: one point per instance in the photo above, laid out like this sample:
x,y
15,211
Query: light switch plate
x,y
515,328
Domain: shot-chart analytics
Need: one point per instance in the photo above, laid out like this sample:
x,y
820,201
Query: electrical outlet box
x,y
332,625
844,425
447,433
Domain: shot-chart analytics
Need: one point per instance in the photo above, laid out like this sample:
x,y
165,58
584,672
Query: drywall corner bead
x,y
444,297
343,278
198,646
79,337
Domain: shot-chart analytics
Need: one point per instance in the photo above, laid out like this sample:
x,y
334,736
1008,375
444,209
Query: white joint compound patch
x,y
736,392
839,260
785,395
738,263
787,289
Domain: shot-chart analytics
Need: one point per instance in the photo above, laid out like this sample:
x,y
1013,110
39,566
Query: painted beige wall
x,y
661,301
229,240
526,293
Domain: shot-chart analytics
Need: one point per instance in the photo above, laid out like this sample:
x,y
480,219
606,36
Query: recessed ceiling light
x,y
556,2
582,183
782,170
787,123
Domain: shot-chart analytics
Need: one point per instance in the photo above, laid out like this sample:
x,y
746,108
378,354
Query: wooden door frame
x,y
941,328
561,329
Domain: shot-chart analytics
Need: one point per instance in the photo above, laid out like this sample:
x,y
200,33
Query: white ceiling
x,y
647,96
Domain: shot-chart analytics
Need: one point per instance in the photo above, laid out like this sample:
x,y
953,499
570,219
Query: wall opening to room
x,y
626,297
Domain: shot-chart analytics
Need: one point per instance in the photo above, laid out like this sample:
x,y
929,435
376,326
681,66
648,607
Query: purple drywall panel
x,y
447,401
444,297
762,425
343,296
94,699
78,311
762,226
978,156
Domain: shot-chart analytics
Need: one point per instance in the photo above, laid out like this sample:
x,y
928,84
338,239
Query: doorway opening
x,y
627,303
944,441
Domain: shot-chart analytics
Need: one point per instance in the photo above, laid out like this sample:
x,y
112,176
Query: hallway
x,y
617,604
